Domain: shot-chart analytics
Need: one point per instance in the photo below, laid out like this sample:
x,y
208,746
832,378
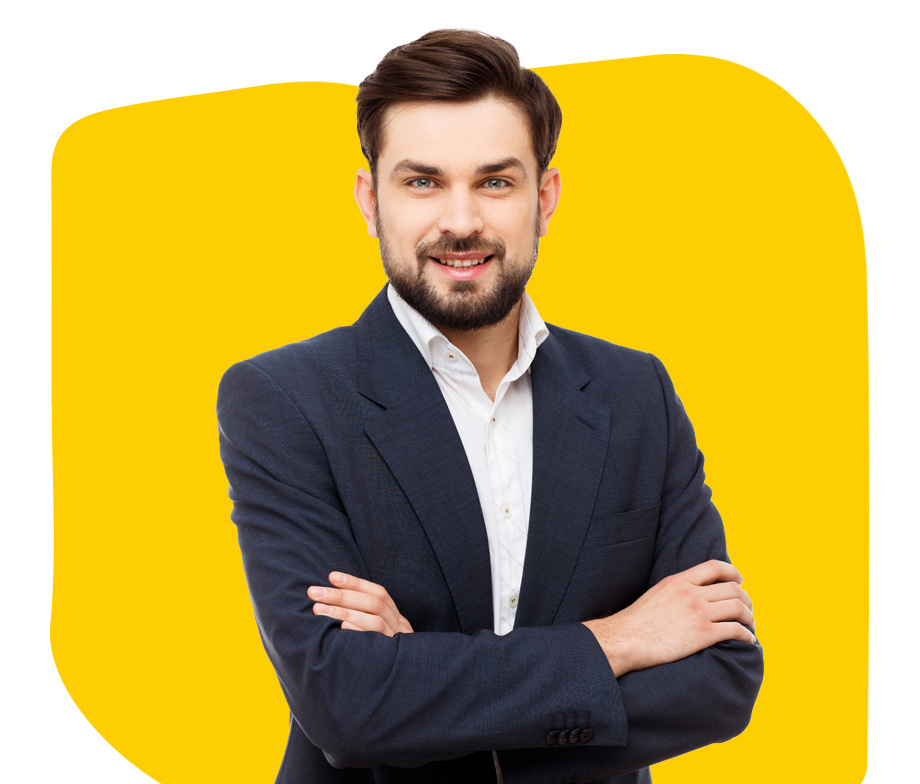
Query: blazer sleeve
x,y
364,698
672,708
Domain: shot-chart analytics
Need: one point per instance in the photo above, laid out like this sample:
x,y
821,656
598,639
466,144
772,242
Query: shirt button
x,y
451,356
506,510
493,420
513,600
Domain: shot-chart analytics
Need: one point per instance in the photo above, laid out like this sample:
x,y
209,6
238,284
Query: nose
x,y
460,215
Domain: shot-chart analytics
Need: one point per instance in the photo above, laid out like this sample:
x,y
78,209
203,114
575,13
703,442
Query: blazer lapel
x,y
571,433
416,436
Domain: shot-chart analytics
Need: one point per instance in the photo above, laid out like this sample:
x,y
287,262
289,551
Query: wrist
x,y
619,654
615,644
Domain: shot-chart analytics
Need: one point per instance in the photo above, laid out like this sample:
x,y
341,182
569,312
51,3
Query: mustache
x,y
482,245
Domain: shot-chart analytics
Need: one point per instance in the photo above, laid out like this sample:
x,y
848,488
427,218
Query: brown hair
x,y
456,66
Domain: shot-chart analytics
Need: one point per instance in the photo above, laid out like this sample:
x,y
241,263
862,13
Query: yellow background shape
x,y
705,217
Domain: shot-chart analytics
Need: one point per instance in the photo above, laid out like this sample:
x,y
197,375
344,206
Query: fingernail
x,y
316,592
322,609
337,577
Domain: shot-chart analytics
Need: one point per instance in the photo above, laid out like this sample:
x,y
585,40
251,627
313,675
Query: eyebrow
x,y
499,166
407,166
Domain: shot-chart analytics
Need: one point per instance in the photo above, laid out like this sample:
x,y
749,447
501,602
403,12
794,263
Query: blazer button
x,y
574,735
586,735
563,737
552,738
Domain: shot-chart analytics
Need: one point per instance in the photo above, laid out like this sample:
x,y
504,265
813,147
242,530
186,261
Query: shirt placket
x,y
508,513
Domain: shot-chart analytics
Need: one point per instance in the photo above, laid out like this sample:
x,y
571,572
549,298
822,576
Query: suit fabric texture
x,y
342,455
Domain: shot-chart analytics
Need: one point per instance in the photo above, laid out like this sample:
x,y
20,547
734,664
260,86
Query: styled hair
x,y
456,66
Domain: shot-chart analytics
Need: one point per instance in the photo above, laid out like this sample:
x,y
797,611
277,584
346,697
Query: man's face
x,y
459,207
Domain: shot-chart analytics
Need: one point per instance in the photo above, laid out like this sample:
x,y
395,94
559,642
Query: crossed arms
x,y
676,668
681,615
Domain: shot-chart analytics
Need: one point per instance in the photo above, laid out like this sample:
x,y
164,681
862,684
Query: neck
x,y
492,350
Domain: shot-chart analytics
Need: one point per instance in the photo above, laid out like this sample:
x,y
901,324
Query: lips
x,y
462,261
467,269
452,253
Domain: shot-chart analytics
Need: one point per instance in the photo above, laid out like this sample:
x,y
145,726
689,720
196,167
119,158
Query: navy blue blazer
x,y
341,454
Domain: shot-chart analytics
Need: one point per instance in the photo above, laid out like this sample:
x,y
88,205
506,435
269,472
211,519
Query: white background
x,y
853,66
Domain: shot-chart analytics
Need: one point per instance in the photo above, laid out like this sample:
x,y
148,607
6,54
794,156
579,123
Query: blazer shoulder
x,y
308,374
327,354
603,359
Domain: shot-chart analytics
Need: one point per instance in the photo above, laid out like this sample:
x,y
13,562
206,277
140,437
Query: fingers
x,y
368,612
731,610
356,600
713,571
350,582
352,600
729,607
359,604
355,620
730,590
731,631
728,601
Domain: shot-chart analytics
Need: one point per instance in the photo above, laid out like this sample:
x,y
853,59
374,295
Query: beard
x,y
467,307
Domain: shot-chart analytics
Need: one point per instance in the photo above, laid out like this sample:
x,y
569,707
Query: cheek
x,y
407,227
515,223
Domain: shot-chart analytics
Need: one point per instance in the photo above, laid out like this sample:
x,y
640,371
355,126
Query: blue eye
x,y
422,182
495,183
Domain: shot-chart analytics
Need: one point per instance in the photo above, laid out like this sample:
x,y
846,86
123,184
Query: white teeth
x,y
459,263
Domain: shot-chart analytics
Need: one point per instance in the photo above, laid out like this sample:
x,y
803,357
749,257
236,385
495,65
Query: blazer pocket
x,y
610,529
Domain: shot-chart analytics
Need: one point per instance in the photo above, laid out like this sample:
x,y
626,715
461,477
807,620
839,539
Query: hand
x,y
681,615
360,605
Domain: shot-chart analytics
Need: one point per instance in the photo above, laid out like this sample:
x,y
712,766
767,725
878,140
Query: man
x,y
479,548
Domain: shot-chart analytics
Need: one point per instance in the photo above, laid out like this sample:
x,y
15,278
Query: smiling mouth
x,y
462,263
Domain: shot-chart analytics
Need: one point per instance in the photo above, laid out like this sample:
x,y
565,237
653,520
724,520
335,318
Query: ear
x,y
550,188
364,195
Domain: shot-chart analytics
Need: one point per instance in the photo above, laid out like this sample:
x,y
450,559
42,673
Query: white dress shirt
x,y
497,437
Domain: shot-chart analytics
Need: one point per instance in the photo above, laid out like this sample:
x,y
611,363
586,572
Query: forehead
x,y
455,137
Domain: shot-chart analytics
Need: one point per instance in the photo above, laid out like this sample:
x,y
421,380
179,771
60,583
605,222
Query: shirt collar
x,y
431,343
